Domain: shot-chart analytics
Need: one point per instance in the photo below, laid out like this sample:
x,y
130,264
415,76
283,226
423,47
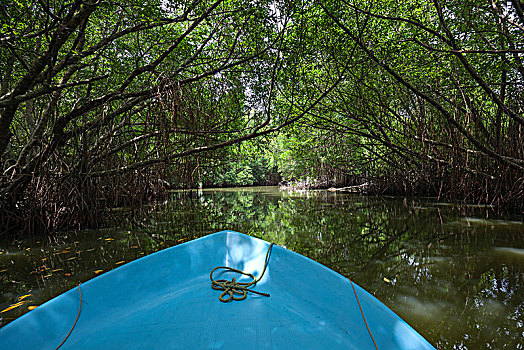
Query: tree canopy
x,y
103,103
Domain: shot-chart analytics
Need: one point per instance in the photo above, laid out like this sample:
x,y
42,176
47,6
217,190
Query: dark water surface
x,y
454,272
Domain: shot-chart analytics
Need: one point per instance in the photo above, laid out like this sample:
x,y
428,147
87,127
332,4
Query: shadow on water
x,y
454,272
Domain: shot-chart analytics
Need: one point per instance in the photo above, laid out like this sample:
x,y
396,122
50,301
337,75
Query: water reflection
x,y
453,272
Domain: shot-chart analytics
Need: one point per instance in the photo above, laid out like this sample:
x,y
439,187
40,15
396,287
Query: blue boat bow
x,y
165,301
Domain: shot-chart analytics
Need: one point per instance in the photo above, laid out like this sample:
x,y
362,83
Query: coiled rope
x,y
233,290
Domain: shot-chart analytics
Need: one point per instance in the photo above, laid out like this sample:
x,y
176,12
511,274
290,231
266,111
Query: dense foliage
x,y
108,103
432,103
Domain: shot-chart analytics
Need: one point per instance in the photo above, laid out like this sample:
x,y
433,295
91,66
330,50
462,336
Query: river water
x,y
454,272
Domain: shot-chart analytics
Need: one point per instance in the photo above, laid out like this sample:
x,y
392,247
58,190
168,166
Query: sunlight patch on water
x,y
424,310
479,221
508,251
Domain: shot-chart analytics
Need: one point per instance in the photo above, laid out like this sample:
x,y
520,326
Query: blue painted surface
x,y
165,301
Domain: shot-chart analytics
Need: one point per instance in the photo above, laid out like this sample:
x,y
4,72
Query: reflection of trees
x,y
441,274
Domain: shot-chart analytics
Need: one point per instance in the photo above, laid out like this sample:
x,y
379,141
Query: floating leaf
x,y
73,258
90,250
44,259
120,262
31,307
3,270
109,239
98,271
24,297
386,280
134,246
48,275
55,270
67,274
14,306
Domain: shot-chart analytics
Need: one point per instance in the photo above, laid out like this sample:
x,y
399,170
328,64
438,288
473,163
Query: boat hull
x,y
165,301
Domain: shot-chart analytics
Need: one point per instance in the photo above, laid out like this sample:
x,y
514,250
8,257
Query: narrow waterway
x,y
454,272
